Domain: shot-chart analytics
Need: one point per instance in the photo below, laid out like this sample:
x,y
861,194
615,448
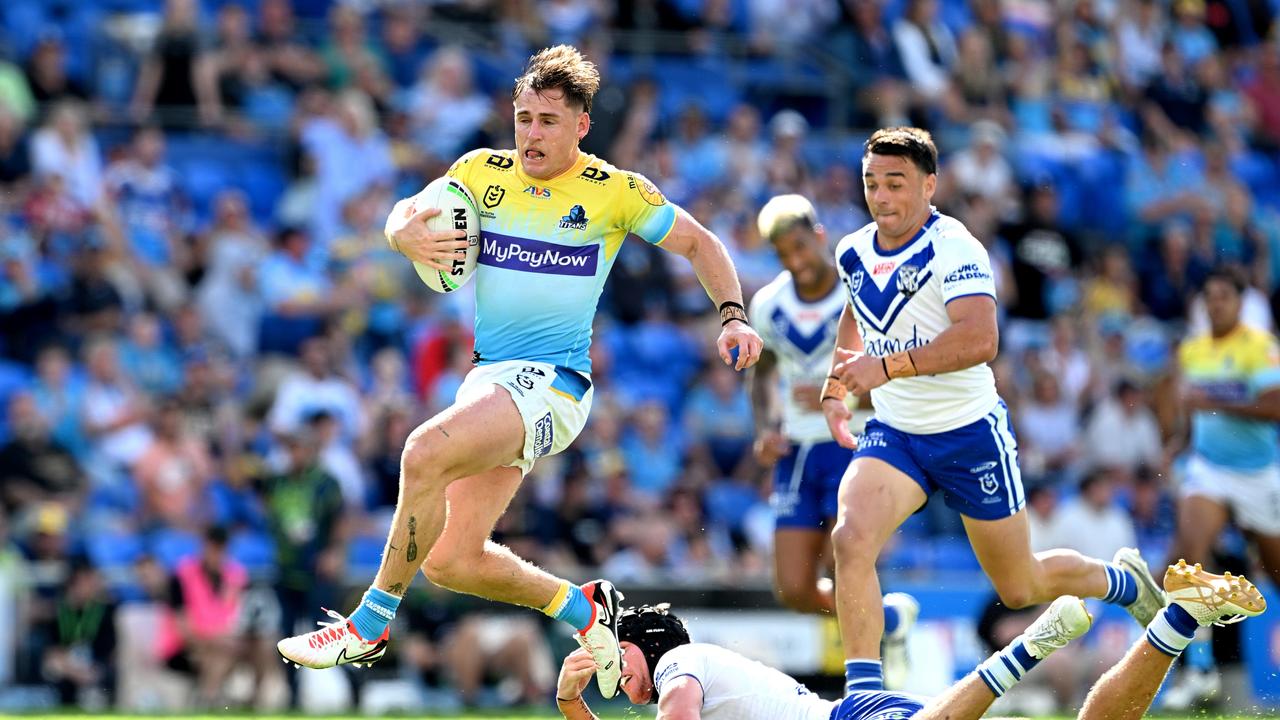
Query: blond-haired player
x,y
552,219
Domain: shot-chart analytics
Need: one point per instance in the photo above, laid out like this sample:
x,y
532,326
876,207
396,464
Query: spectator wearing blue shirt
x,y
1160,186
718,421
653,452
154,366
1189,34
295,293
350,153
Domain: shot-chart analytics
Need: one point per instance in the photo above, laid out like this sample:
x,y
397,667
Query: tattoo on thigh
x,y
411,551
396,589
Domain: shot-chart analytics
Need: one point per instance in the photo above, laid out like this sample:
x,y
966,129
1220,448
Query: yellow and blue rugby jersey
x,y
1234,368
546,247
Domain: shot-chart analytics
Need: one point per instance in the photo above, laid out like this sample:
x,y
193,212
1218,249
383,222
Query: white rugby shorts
x,y
554,402
1253,496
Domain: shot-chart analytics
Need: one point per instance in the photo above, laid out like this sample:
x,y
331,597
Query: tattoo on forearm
x,y
411,552
396,589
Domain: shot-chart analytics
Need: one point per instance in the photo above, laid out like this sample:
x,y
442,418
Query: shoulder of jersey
x,y
859,239
485,158
768,294
949,227
1258,338
600,173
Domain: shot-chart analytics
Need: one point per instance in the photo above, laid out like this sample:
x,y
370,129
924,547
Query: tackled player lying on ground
x,y
697,680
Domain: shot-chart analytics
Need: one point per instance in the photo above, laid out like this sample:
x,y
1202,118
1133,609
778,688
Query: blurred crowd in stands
x,y
210,359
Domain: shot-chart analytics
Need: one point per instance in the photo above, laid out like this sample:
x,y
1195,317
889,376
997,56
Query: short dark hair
x,y
654,630
1229,275
913,143
561,67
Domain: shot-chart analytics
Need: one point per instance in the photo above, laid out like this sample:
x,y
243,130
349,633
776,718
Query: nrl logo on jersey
x,y
908,280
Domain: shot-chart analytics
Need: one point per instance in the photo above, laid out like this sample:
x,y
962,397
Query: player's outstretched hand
x,y
407,233
737,334
575,673
859,373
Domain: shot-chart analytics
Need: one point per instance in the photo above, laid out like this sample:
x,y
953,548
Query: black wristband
x,y
730,311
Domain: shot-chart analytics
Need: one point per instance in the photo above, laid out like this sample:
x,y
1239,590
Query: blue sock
x,y
375,613
891,619
575,610
1122,587
862,675
1007,667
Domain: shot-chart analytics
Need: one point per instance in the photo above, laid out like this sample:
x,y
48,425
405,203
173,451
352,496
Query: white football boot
x,y
893,653
1064,621
335,643
601,636
1151,599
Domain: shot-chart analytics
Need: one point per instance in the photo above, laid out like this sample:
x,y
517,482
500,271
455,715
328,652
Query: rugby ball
x,y
457,212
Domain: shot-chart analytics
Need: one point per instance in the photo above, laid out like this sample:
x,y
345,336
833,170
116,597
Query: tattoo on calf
x,y
396,589
411,552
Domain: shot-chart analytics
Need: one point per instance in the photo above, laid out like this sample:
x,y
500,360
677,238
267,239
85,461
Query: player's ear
x,y
584,124
930,185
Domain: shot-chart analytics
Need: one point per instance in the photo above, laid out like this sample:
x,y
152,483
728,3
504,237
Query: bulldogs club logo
x,y
908,280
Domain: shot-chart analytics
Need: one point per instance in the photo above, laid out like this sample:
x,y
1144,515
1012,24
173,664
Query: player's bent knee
x,y
445,570
421,457
854,542
1016,595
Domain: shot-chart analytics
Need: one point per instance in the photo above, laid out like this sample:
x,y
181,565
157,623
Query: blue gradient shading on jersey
x,y
536,298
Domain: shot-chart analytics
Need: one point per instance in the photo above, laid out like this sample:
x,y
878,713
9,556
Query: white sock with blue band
x,y
1171,630
1007,668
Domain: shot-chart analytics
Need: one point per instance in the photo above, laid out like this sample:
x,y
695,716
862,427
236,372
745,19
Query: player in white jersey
x,y
917,333
797,315
691,681
531,391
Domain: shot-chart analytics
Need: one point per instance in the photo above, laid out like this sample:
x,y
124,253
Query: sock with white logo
x,y
572,606
1171,630
1007,668
375,613
1122,586
862,675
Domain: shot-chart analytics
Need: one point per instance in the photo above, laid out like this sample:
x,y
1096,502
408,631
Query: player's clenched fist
x,y
737,334
409,234
858,372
